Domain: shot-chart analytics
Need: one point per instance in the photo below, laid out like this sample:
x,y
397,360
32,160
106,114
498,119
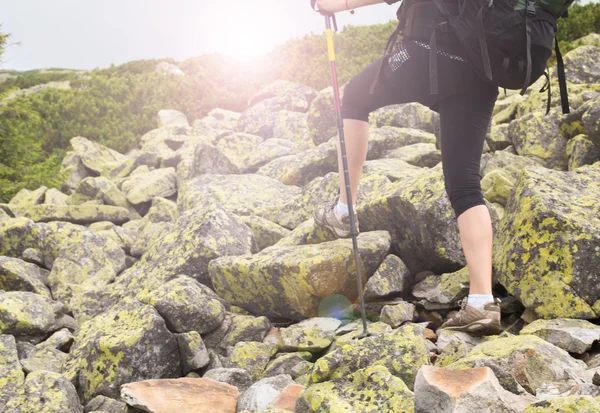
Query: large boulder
x,y
291,282
141,188
18,275
11,374
129,342
547,246
29,314
94,155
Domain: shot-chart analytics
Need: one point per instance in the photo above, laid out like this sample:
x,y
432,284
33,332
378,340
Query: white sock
x,y
341,209
478,300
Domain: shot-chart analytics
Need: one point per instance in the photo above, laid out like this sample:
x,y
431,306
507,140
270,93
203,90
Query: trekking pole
x,y
329,18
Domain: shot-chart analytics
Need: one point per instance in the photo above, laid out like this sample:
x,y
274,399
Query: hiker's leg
x,y
464,123
404,82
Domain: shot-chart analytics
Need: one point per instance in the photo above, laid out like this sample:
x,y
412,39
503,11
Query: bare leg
x,y
475,226
356,138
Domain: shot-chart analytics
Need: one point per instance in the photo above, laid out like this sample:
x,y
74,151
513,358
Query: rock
x,y
233,376
290,282
73,167
294,364
551,271
218,119
25,313
193,351
287,399
372,389
591,122
209,159
265,152
186,306
419,154
293,127
322,119
391,278
172,118
574,336
314,335
443,291
169,69
25,198
144,187
237,146
43,357
93,155
386,140
522,362
497,186
581,151
283,88
301,168
78,214
592,39
239,194
46,391
60,340
264,392
393,169
11,374
536,136
454,345
408,115
265,232
18,275
183,395
586,404
105,404
129,342
477,389
244,328
353,331
396,315
420,219
54,197
402,351
581,65
252,356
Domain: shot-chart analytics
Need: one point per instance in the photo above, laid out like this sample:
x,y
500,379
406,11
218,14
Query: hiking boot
x,y
324,216
472,320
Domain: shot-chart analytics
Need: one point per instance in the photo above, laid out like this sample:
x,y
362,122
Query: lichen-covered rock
x,y
124,168
265,152
293,127
106,405
78,214
420,219
581,65
55,197
186,306
308,335
394,169
522,362
94,155
45,391
25,313
236,146
581,151
497,185
510,163
288,364
130,342
454,345
372,389
322,119
18,275
74,169
233,376
11,374
591,122
290,282
408,115
217,119
302,168
536,136
574,336
391,278
283,88
240,328
418,154
25,198
547,250
579,94
143,187
586,404
265,232
193,351
210,159
261,394
402,351
385,140
397,314
252,356
240,194
44,357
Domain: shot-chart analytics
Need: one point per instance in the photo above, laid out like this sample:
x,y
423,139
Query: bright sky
x,y
85,34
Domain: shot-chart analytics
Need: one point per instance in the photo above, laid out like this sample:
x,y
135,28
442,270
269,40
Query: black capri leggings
x,y
465,104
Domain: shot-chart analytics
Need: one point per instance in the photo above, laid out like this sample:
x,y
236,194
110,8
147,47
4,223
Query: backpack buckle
x,y
531,7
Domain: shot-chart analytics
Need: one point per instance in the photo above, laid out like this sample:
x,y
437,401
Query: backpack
x,y
507,42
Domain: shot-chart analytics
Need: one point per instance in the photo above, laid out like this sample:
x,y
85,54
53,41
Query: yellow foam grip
x,y
330,45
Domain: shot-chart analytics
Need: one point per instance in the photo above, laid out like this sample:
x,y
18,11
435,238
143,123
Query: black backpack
x,y
508,42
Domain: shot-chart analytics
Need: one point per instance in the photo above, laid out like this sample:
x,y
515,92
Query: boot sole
x,y
486,326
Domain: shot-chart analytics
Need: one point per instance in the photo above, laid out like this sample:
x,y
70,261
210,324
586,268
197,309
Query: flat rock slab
x,y
184,395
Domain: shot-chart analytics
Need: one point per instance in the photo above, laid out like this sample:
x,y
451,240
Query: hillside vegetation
x,y
117,105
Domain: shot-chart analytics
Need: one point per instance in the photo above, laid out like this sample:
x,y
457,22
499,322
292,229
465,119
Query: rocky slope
x,y
188,275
